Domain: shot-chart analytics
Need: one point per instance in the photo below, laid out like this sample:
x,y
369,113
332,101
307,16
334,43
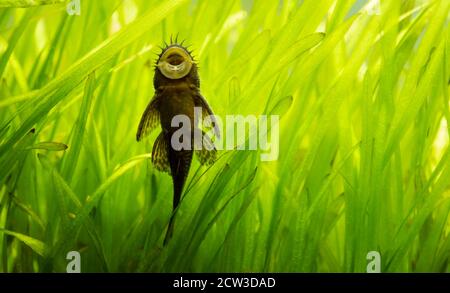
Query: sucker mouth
x,y
175,63
176,68
175,59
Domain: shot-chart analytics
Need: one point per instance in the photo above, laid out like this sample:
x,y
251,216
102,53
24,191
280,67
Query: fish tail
x,y
180,162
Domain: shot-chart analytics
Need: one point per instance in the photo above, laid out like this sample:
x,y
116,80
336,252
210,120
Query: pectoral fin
x,y
206,111
149,120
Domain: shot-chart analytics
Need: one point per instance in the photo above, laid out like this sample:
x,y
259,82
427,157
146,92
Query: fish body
x,y
178,100
177,92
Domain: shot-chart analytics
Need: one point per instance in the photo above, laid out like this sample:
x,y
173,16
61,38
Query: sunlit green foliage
x,y
362,91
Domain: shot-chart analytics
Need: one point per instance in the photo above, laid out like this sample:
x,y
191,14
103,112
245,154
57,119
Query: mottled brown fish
x,y
177,92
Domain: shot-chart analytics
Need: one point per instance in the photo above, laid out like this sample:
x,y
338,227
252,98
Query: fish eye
x,y
175,63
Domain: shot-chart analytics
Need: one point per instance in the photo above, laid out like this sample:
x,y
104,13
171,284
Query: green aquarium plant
x,y
356,166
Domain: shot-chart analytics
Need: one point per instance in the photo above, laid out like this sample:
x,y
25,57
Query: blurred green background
x,y
362,89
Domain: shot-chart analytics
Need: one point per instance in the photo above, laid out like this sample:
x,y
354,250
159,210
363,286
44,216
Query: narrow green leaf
x,y
58,88
36,245
49,146
71,158
28,3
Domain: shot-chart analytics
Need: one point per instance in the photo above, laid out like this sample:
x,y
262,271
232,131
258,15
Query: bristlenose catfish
x,y
177,92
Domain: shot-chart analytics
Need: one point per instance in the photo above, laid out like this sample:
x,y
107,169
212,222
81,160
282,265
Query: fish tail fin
x,y
180,163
